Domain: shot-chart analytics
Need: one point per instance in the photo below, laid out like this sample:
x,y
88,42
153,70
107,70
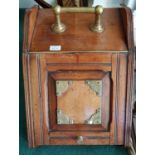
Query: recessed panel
x,y
79,101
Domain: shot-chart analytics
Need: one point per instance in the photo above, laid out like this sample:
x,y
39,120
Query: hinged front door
x,y
78,100
83,98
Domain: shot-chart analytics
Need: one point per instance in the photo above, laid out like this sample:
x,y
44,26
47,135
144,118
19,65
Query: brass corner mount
x,y
59,27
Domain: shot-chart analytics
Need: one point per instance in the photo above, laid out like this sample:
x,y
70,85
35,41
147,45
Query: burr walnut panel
x,y
78,102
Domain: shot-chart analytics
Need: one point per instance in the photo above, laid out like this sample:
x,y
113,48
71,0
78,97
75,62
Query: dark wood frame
x,y
78,75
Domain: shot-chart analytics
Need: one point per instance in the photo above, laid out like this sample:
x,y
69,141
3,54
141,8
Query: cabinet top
x,y
38,36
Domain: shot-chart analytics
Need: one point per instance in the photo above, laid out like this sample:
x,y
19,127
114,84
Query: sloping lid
x,y
78,36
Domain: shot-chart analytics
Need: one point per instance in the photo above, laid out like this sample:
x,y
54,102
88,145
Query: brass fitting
x,y
59,27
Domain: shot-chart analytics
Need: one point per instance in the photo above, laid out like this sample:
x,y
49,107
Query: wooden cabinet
x,y
80,95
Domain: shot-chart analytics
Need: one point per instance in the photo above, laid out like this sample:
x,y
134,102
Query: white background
x,y
9,77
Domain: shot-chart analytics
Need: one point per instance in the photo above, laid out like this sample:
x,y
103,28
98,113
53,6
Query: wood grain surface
x,y
79,102
85,59
78,36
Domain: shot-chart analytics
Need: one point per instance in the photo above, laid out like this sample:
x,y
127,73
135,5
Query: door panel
x,y
79,100
75,76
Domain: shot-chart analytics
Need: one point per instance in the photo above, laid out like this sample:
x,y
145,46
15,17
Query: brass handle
x,y
80,139
59,27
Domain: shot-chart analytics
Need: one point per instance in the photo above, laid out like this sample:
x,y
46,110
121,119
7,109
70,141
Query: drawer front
x,y
81,101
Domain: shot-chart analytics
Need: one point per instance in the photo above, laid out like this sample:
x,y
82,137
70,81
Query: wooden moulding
x,y
33,100
29,26
29,119
118,94
127,19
